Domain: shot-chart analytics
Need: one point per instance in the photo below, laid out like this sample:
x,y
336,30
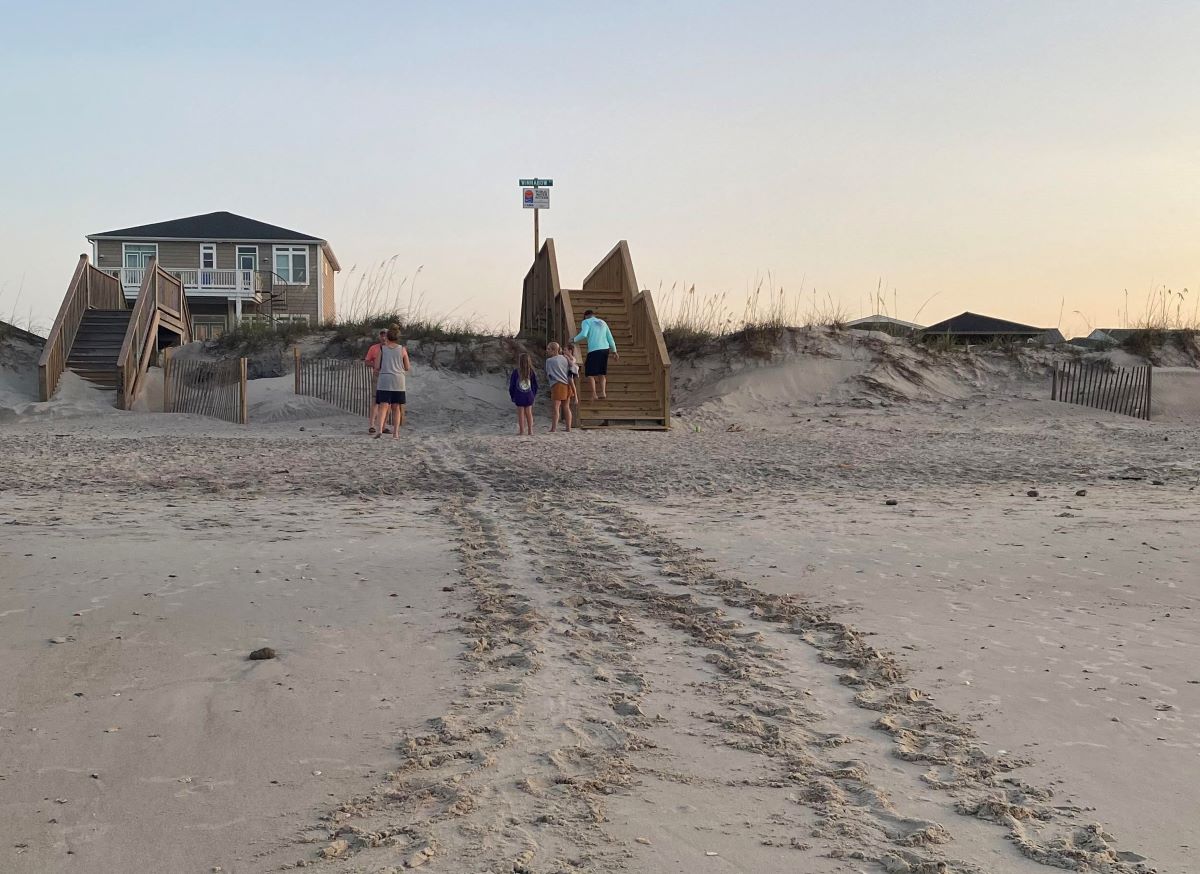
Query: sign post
x,y
535,195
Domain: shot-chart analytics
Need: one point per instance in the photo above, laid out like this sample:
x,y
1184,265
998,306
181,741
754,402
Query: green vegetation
x,y
257,336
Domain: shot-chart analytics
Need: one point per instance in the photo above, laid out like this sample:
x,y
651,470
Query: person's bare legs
x,y
528,411
398,417
557,415
520,421
603,380
592,386
378,411
567,410
403,413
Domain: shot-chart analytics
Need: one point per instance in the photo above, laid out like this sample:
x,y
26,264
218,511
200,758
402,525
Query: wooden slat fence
x,y
206,388
348,384
1124,390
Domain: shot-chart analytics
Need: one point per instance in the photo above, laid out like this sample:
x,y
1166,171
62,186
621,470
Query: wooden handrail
x,y
144,311
160,293
53,360
89,289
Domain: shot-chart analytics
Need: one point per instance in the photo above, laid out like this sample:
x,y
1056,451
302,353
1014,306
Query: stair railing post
x,y
167,380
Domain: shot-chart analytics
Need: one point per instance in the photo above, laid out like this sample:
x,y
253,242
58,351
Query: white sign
x,y
535,198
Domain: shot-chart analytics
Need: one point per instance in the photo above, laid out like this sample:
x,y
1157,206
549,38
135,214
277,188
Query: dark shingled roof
x,y
973,323
217,226
211,226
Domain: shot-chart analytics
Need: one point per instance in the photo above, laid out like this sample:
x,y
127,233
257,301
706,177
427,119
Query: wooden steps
x,y
634,397
638,383
97,346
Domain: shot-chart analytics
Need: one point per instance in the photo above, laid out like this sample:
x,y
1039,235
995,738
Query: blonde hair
x,y
525,366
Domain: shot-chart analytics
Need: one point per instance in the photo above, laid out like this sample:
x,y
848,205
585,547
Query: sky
x,y
1035,161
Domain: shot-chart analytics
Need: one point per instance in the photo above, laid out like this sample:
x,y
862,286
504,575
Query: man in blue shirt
x,y
595,332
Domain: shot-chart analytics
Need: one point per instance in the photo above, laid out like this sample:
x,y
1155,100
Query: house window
x,y
138,255
247,257
208,256
291,263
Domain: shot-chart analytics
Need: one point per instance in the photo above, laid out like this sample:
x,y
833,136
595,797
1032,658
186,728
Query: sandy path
x,y
662,652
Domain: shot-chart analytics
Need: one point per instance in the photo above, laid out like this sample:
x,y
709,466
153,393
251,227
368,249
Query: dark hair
x,y
587,313
394,333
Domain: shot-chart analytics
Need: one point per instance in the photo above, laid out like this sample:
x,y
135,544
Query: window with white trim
x,y
291,263
247,257
208,256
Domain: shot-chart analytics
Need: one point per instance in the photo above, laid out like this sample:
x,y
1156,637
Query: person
x,y
523,389
595,332
373,363
390,394
573,367
558,371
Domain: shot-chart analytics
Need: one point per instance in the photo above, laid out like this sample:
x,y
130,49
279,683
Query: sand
x,y
718,648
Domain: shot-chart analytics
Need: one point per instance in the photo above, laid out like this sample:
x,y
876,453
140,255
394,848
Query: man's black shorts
x,y
596,363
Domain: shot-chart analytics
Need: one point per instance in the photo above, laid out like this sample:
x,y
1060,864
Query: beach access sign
x,y
535,198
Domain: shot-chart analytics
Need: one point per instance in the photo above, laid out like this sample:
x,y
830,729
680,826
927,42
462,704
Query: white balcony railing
x,y
226,283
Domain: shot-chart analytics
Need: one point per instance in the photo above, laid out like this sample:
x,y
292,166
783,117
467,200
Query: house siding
x,y
185,255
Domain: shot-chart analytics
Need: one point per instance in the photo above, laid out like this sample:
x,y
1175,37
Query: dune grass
x,y
693,323
383,295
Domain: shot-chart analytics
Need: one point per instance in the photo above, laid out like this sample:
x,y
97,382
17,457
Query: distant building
x,y
974,328
886,324
1111,336
231,267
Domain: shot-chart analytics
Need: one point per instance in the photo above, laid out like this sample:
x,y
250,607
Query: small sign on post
x,y
535,195
535,198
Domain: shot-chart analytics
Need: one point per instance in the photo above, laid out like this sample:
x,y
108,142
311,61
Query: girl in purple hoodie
x,y
523,388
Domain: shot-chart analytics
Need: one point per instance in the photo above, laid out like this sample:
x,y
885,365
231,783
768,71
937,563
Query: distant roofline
x,y
881,318
137,233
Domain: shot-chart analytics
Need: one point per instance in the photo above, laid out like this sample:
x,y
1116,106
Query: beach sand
x,y
714,649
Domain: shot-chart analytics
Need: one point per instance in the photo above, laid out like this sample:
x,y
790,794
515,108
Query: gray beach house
x,y
232,268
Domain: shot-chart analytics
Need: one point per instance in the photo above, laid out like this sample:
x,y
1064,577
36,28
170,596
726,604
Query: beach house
x,y
968,328
231,267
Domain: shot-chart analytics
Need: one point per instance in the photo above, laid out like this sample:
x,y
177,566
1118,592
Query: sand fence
x,y
206,388
348,384
1124,390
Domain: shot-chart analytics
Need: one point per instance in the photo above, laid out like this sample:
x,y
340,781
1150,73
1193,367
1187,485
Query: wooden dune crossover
x,y
639,382
99,336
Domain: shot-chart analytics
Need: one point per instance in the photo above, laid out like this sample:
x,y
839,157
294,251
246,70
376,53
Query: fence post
x,y
167,380
242,392
1146,412
1054,384
296,356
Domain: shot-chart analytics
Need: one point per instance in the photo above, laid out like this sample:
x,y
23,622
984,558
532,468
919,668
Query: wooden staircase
x,y
639,381
633,398
98,336
98,345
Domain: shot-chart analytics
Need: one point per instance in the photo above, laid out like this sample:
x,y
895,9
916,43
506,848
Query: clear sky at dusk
x,y
998,157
